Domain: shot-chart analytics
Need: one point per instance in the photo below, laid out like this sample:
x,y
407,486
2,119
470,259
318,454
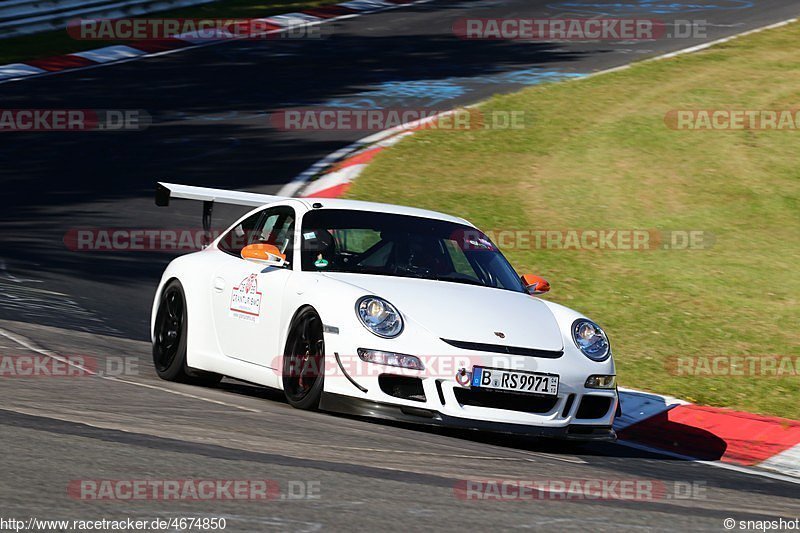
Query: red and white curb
x,y
133,51
331,176
706,433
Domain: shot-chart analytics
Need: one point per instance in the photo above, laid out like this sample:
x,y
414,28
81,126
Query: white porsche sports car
x,y
379,310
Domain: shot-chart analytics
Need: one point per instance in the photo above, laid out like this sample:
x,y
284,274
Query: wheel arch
x,y
166,280
293,322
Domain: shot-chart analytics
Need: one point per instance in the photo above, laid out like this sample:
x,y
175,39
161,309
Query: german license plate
x,y
514,380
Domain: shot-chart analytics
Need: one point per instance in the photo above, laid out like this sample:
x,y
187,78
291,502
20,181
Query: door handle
x,y
219,284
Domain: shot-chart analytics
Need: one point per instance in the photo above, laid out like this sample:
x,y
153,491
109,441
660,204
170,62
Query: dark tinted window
x,y
398,245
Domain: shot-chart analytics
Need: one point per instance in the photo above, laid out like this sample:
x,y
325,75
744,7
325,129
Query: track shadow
x,y
662,433
645,420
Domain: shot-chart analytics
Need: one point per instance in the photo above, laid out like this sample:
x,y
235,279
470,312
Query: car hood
x,y
468,313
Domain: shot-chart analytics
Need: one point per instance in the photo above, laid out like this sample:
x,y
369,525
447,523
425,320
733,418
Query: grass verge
x,y
599,155
46,44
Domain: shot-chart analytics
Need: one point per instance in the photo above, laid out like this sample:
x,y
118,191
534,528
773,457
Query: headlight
x,y
591,339
391,359
379,316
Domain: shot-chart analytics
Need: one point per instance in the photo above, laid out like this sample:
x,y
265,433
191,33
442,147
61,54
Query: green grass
x,y
53,43
597,154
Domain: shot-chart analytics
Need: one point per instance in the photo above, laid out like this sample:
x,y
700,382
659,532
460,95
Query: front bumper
x,y
350,405
435,396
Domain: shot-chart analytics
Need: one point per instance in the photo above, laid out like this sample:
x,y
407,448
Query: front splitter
x,y
339,403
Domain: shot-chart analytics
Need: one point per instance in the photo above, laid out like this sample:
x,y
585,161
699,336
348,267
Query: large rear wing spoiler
x,y
167,191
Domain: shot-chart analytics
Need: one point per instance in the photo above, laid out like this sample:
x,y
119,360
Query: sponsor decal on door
x,y
246,300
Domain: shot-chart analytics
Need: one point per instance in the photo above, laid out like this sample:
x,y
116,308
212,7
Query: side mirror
x,y
535,284
265,254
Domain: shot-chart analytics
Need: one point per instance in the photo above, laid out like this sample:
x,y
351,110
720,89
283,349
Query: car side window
x,y
241,235
277,228
274,225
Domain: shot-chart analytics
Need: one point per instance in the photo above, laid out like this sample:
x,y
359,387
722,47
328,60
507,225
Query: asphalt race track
x,y
210,127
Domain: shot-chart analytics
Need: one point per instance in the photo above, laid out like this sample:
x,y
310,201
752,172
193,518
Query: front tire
x,y
169,340
304,361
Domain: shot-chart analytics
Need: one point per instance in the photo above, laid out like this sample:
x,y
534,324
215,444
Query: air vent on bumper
x,y
405,387
593,407
506,400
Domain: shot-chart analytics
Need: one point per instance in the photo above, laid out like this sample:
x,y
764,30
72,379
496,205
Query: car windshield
x,y
364,242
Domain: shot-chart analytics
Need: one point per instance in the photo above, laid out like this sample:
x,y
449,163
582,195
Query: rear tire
x,y
304,361
169,340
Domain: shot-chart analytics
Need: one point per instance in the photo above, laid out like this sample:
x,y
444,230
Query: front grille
x,y
500,348
505,400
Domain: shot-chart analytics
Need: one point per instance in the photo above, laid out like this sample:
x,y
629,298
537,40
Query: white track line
x,y
690,49
22,341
